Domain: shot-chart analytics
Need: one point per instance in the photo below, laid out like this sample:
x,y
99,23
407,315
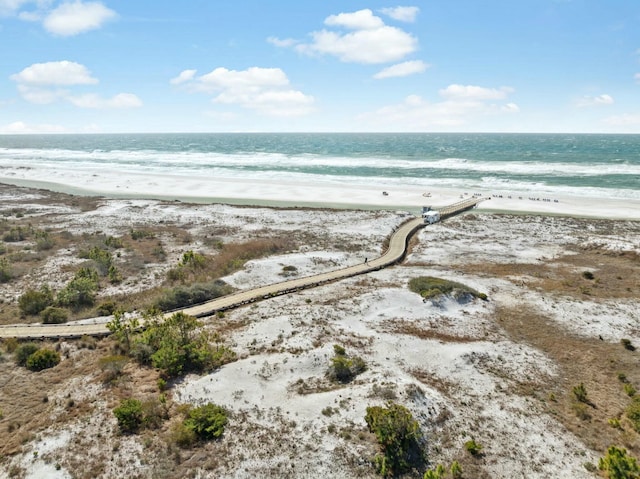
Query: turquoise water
x,y
593,165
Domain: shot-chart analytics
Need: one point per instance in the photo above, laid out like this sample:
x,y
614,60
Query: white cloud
x,y
184,76
587,101
10,7
34,16
265,90
471,92
382,45
402,14
370,42
55,73
19,127
402,69
119,101
360,20
637,77
40,95
460,106
72,18
510,108
41,83
282,42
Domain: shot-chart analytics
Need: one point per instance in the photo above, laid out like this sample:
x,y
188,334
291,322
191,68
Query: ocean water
x,y
563,164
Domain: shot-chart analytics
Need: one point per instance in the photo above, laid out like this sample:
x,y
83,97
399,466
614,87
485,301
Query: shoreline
x,y
280,194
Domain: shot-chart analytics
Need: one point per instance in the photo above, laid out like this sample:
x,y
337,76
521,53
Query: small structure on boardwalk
x,y
430,216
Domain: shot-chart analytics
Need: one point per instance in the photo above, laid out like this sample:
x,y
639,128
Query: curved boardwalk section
x,y
395,252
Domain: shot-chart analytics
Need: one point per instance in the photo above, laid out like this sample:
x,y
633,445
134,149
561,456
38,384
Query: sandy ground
x,y
452,363
333,194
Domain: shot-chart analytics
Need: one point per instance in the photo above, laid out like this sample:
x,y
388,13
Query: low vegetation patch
x,y
81,290
429,287
400,438
618,465
129,415
43,359
344,368
473,447
23,352
33,301
6,271
207,421
441,472
35,358
175,345
633,413
183,296
53,315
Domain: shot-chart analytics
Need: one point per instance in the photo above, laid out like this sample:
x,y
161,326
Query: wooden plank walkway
x,y
460,206
395,252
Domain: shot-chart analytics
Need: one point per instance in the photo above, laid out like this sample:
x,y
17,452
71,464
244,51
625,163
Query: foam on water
x,y
593,165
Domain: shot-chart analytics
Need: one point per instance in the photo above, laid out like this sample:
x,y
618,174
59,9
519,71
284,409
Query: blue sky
x,y
253,65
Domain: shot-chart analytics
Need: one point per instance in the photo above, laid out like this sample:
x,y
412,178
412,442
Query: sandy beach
x,y
135,184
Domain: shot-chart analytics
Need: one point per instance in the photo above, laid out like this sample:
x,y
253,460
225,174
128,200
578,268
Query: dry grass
x,y
26,399
399,326
580,360
616,276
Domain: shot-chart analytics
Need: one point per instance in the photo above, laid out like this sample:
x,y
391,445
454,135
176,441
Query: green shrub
x,y
618,465
580,393
107,308
81,290
474,448
339,350
429,287
53,315
101,257
193,260
113,242
114,275
456,470
6,271
399,436
162,384
129,415
588,275
207,421
140,234
183,296
15,234
344,368
615,423
23,352
437,473
33,301
629,389
44,241
633,413
176,345
43,359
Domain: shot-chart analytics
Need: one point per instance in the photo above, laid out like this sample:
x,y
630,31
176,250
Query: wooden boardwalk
x,y
396,251
459,207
